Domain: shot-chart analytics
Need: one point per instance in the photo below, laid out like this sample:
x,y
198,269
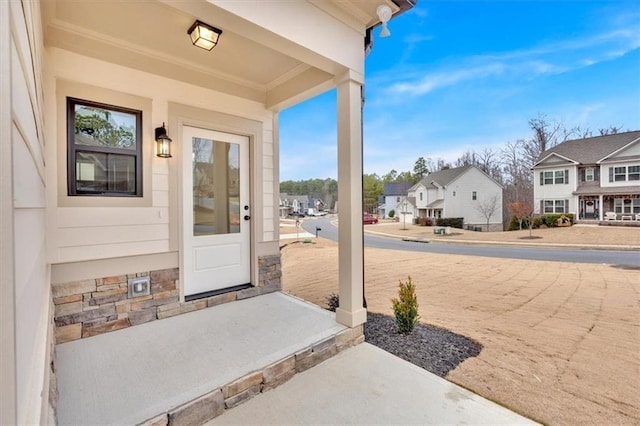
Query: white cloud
x,y
547,59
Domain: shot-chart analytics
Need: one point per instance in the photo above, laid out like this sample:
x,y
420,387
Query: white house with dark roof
x,y
394,194
595,178
459,192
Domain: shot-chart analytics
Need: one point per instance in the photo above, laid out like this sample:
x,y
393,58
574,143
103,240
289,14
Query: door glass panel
x,y
216,187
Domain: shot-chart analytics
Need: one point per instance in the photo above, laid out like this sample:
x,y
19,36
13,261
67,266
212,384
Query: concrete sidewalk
x,y
366,385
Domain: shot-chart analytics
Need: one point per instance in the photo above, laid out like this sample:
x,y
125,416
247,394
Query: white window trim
x,y
589,174
557,206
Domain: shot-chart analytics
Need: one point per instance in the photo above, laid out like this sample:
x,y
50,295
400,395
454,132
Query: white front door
x,y
215,219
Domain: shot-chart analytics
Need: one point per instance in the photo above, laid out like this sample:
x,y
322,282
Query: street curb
x,y
509,243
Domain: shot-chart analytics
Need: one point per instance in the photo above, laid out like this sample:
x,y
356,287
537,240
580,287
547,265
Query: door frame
x,y
215,241
181,115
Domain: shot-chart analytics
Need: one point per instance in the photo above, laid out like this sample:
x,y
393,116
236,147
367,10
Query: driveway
x,y
561,341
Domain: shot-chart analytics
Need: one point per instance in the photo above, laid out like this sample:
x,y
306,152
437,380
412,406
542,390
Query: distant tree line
x,y
510,166
317,189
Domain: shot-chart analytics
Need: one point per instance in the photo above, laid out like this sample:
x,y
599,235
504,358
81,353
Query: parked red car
x,y
369,219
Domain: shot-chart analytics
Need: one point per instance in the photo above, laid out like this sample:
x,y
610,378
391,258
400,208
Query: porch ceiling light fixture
x,y
204,35
384,14
163,143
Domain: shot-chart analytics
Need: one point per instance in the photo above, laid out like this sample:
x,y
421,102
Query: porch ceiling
x,y
151,36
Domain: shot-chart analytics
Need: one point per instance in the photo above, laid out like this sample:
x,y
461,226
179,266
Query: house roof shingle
x,y
591,150
443,177
397,188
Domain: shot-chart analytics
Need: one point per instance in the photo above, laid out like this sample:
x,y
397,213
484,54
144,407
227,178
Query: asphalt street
x,y
610,257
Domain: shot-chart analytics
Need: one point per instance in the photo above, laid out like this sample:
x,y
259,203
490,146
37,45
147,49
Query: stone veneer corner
x,y
91,307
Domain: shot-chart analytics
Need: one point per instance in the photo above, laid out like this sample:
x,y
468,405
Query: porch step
x,y
189,368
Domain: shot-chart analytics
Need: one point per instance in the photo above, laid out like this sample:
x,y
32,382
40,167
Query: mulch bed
x,y
435,349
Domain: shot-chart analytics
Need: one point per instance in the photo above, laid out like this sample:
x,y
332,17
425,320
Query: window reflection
x,y
216,187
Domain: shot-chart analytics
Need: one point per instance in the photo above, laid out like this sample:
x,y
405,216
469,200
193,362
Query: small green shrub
x,y
454,222
425,221
551,220
405,307
391,214
514,225
333,302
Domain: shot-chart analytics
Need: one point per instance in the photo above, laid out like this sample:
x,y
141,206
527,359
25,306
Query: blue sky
x,y
468,75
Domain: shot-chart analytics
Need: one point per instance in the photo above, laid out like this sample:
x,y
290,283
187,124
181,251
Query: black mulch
x,y
435,349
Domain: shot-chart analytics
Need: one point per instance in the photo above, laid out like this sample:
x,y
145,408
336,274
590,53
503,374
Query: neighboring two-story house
x,y
290,204
590,177
393,194
466,192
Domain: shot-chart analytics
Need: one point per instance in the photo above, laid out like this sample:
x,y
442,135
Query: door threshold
x,y
206,294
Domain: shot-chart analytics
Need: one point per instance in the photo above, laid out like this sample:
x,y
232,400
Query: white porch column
x,y
600,212
351,256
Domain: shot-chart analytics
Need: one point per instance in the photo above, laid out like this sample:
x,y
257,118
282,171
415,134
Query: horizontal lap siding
x,y
29,215
86,233
94,233
268,187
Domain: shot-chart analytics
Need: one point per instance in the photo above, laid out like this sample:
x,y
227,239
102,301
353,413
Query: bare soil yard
x,y
561,341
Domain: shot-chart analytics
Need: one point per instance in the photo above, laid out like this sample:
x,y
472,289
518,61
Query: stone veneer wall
x,y
91,307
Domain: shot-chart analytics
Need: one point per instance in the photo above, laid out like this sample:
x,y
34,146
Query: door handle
x,y
247,217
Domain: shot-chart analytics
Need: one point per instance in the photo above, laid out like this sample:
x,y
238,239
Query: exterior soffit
x,y
357,14
270,68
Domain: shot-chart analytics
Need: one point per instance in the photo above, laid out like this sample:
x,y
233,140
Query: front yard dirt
x,y
561,341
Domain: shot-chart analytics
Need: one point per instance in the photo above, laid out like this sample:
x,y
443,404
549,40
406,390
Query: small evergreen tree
x,y
405,307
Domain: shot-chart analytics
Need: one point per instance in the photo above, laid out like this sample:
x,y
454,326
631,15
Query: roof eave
x,y
618,150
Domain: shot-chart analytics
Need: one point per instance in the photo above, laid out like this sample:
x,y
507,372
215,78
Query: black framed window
x,y
104,149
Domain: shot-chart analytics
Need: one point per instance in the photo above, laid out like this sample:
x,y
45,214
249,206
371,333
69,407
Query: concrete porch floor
x,y
128,376
133,375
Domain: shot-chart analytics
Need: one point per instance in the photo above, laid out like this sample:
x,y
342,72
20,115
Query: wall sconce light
x,y
204,35
384,13
163,143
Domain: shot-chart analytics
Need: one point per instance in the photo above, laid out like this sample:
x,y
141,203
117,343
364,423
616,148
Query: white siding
x,y
605,173
462,204
27,198
88,232
555,191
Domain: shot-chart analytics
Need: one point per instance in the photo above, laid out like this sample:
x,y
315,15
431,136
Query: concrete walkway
x,y
366,385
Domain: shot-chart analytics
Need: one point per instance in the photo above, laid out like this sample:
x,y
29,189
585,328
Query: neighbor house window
x,y
619,174
104,149
554,177
589,174
421,196
556,206
626,205
474,195
633,172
